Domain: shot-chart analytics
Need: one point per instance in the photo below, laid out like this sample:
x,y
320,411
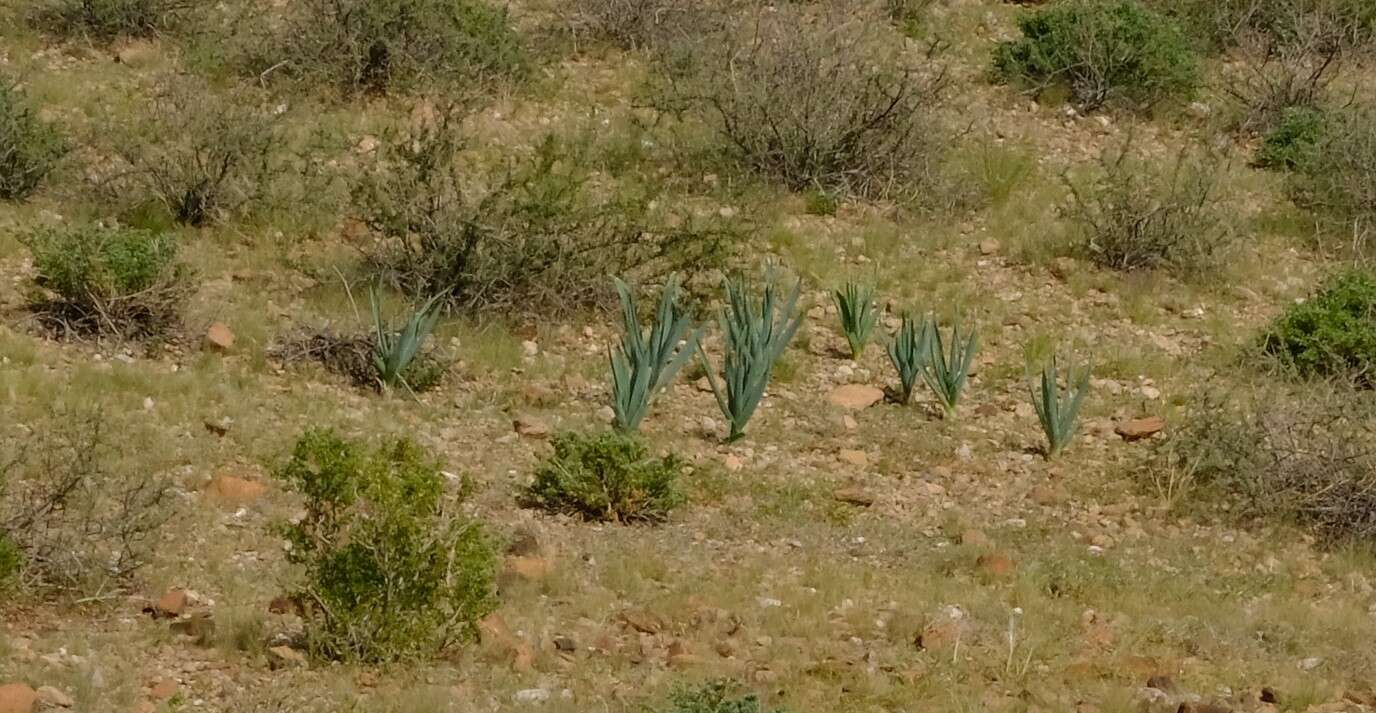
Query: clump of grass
x,y
909,351
387,568
1101,51
1330,334
832,103
1058,409
855,304
756,335
29,147
1137,215
948,368
395,351
110,281
607,477
1291,143
643,365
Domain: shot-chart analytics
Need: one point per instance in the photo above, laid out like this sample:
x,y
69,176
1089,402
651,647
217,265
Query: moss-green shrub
x,y
109,19
609,477
389,570
1101,51
719,696
1292,141
99,280
1331,334
382,45
29,148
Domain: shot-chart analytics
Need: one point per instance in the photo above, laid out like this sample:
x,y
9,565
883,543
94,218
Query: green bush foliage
x,y
387,45
1101,51
830,104
534,236
29,148
1332,333
714,697
1137,214
1291,143
606,477
1223,24
107,20
389,571
1338,179
98,280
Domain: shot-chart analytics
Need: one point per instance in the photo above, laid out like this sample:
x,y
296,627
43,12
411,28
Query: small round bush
x,y
29,148
389,571
95,279
607,477
1291,143
1333,333
1101,51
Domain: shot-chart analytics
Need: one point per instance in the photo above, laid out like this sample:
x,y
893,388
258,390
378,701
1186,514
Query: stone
x,y
855,397
854,457
642,621
854,495
162,689
219,337
565,644
1046,495
1139,428
170,605
524,543
988,247
530,427
495,632
527,569
234,491
200,627
732,463
531,695
17,698
280,657
54,698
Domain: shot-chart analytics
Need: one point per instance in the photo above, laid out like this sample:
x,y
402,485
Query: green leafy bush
x,y
608,477
389,570
111,281
1139,215
29,148
1333,333
384,45
1101,51
714,697
536,236
106,20
833,103
1292,141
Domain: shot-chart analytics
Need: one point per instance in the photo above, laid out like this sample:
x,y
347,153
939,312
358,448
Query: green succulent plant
x,y
947,369
756,334
855,303
1058,409
909,351
643,364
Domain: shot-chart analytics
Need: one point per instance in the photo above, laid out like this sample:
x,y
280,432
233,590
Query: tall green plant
x,y
1056,409
756,336
395,349
947,369
855,303
909,352
643,364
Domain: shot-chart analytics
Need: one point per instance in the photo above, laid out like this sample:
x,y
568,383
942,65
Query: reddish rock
x,y
231,490
280,657
162,689
854,397
495,633
528,569
530,427
17,698
1138,428
854,495
219,337
170,605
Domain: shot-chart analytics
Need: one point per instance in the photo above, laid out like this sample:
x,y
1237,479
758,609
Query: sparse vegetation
x,y
608,477
112,281
1338,181
1058,408
1291,143
633,24
645,364
832,105
1136,215
106,20
714,697
29,147
1101,51
388,569
1331,334
947,369
755,337
534,237
909,351
855,305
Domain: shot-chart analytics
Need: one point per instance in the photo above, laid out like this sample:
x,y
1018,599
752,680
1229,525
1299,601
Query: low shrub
x,y
202,154
831,104
1330,334
537,236
1279,74
1307,457
1291,143
389,570
73,518
106,20
719,696
1137,215
1338,181
29,148
107,281
1101,51
608,477
632,24
1224,24
385,45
